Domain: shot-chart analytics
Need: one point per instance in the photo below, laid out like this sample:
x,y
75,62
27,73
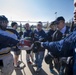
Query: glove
x,y
42,40
36,47
20,33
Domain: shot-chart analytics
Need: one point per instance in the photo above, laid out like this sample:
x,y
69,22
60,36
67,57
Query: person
x,y
63,48
17,51
61,32
27,34
49,38
51,31
7,40
62,28
39,34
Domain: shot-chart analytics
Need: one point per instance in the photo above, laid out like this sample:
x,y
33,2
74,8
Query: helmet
x,y
48,58
3,18
60,18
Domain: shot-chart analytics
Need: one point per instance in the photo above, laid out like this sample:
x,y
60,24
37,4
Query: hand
x,y
42,40
37,43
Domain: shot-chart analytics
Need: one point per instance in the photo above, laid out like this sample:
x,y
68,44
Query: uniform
x,y
63,48
38,35
50,35
27,34
16,50
7,40
5,48
58,35
49,38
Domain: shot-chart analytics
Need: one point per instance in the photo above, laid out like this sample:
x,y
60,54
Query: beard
x,y
3,28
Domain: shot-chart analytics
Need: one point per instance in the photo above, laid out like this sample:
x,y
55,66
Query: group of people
x,y
59,42
10,40
62,49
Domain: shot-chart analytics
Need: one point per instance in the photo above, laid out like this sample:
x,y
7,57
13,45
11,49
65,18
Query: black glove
x,y
42,40
20,33
36,47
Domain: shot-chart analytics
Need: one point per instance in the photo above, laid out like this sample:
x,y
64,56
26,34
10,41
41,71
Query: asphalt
x,y
28,69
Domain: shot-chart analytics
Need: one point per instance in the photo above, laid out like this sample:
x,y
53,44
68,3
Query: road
x,y
29,69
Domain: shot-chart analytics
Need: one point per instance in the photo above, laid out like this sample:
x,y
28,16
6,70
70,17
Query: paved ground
x,y
29,70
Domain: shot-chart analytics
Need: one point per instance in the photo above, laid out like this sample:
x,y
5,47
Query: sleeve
x,y
17,35
8,40
24,34
36,37
49,36
43,34
20,34
44,37
63,47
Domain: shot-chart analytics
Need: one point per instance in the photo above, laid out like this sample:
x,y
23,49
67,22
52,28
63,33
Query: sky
x,y
37,10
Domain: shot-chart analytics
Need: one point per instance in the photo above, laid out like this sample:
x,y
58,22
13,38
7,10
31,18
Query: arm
x,y
43,37
8,40
49,35
62,48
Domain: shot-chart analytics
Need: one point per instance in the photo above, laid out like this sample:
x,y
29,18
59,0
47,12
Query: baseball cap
x,y
39,23
53,23
60,18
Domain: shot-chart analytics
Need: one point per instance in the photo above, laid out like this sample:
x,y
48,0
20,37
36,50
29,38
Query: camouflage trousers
x,y
8,67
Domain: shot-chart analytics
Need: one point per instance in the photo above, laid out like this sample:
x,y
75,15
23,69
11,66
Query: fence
x,y
32,24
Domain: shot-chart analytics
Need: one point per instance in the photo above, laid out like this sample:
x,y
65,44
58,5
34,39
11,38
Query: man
x,y
61,27
63,48
17,52
39,34
51,31
7,40
61,32
27,34
49,38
